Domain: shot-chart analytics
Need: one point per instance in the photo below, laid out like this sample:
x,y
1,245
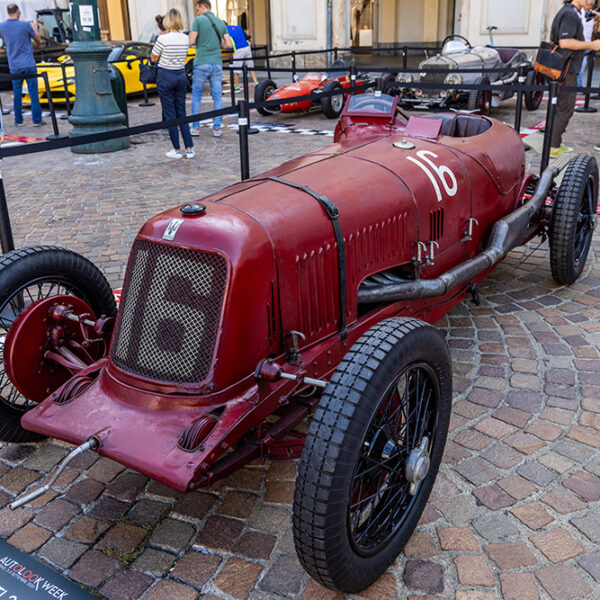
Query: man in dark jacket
x,y
567,32
17,37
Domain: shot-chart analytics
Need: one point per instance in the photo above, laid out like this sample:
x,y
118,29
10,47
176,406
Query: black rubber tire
x,y
261,92
534,99
337,434
573,219
331,105
29,266
480,99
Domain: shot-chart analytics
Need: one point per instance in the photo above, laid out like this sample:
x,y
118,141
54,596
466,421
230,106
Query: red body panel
x,y
282,266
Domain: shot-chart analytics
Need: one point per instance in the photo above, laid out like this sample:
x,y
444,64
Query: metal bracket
x,y
429,252
294,351
468,235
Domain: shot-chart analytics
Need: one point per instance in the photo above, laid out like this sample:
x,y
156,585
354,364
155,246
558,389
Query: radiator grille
x,y
169,315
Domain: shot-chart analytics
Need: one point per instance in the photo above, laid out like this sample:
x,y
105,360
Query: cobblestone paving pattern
x,y
515,512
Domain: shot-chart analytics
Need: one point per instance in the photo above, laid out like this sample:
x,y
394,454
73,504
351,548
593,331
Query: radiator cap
x,y
193,210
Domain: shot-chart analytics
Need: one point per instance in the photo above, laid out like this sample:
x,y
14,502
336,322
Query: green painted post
x,y
95,109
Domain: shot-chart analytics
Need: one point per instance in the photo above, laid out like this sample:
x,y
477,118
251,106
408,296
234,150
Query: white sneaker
x,y
217,132
195,130
174,154
190,154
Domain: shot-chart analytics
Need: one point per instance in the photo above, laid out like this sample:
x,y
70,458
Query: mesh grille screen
x,y
169,314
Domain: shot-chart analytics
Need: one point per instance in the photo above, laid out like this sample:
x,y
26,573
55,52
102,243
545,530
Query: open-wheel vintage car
x,y
312,83
458,54
308,289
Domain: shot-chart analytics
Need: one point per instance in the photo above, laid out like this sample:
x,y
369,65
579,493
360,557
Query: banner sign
x,y
23,578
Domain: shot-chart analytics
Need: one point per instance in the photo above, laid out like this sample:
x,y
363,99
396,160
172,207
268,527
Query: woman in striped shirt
x,y
171,50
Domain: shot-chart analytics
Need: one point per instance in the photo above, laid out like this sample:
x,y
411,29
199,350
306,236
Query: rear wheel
x,y
480,100
332,105
262,91
372,454
533,99
574,219
29,275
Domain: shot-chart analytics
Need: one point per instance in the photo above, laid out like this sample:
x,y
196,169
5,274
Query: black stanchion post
x,y
232,84
294,65
405,58
66,88
552,101
379,84
352,79
6,238
247,94
56,135
268,61
519,108
243,131
146,102
586,108
335,53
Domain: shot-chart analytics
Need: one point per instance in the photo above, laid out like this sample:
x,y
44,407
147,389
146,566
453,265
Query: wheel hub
x,y
417,466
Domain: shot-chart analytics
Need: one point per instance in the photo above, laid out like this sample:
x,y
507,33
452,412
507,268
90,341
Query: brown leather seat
x,y
461,126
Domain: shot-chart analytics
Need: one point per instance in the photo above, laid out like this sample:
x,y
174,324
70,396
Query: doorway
x,y
362,23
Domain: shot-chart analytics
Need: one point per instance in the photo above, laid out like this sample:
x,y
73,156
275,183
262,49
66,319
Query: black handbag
x,y
148,72
551,63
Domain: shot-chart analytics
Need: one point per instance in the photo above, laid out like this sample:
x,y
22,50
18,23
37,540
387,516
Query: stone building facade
x,y
314,24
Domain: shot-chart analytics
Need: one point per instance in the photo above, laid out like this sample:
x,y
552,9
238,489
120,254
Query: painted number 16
x,y
444,174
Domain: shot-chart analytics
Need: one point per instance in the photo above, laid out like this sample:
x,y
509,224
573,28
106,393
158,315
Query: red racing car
x,y
311,83
309,289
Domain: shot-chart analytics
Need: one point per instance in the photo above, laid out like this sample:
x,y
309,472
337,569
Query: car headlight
x,y
404,78
453,79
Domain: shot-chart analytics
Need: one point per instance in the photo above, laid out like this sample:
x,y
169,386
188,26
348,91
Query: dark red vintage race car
x,y
308,289
311,83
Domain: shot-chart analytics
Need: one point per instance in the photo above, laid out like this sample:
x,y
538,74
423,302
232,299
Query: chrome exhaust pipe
x,y
91,444
507,233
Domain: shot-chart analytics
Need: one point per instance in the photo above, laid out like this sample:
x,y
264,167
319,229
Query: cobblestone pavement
x,y
515,512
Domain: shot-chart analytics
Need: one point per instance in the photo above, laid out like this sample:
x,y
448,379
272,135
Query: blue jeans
x,y
214,74
172,89
580,82
32,86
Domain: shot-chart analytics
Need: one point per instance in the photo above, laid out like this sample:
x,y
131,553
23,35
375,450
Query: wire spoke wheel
x,y
381,493
372,453
27,276
573,219
11,307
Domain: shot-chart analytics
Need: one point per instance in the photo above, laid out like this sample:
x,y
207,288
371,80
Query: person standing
x,y
567,32
242,54
44,32
590,25
170,51
17,37
208,35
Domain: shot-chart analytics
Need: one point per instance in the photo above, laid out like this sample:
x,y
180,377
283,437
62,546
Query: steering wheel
x,y
455,35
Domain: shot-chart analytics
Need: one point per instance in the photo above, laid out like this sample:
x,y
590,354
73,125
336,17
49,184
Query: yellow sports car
x,y
125,56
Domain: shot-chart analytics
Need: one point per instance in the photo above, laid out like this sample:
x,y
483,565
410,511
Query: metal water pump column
x,y
95,109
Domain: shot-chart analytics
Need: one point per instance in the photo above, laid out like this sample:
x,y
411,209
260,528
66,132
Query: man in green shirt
x,y
208,35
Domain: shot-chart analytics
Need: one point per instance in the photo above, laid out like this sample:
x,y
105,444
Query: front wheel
x,y
262,92
480,100
372,454
332,105
27,276
574,219
533,99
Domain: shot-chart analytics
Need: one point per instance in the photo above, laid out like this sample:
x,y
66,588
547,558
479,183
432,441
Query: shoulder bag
x,y
551,63
148,72
219,37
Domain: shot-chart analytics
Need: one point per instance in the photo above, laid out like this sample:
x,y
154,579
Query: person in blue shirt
x,y
242,53
17,37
